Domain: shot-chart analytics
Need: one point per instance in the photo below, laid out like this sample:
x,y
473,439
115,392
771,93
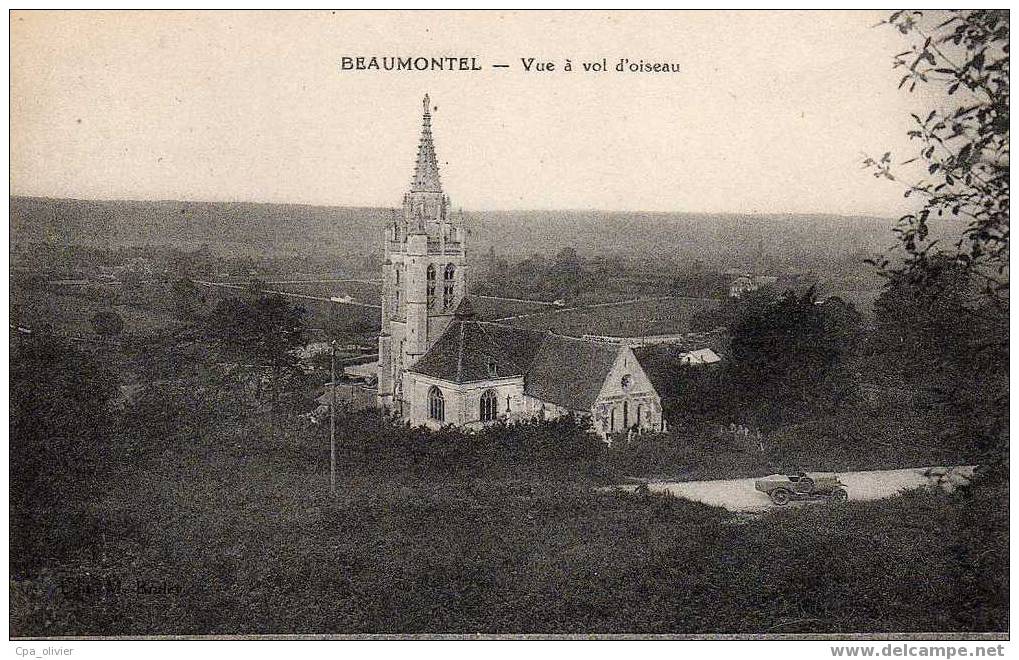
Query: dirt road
x,y
740,495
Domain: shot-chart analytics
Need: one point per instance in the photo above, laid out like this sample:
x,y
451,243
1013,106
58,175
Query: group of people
x,y
745,435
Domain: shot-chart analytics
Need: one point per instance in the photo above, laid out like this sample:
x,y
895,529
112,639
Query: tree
x,y
958,363
567,261
532,265
964,146
731,309
60,422
944,312
186,300
787,353
565,276
261,332
107,323
185,393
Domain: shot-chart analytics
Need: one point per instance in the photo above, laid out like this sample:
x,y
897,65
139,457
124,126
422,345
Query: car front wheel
x,y
780,496
838,496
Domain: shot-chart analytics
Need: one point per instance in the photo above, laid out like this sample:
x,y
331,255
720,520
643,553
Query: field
x,y
72,314
352,321
359,291
149,307
642,317
489,310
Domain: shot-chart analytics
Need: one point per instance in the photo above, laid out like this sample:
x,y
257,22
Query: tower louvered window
x,y
447,286
430,277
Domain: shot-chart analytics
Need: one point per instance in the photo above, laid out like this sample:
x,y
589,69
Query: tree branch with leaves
x,y
963,54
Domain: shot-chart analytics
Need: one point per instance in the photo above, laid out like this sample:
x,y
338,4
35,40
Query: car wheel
x,y
780,496
838,496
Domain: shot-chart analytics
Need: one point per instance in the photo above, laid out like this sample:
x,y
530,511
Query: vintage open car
x,y
782,488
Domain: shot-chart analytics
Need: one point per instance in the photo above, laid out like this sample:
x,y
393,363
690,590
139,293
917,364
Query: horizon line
x,y
858,214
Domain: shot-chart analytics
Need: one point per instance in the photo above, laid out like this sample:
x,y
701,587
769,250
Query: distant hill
x,y
715,238
236,228
286,229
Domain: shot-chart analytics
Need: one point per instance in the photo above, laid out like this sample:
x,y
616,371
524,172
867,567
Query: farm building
x,y
748,283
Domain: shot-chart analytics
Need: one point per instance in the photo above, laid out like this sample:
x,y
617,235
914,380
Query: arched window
x,y
489,406
448,276
436,404
612,420
430,277
626,414
640,410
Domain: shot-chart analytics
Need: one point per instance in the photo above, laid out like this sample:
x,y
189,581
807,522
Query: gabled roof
x,y
701,356
564,371
477,350
570,372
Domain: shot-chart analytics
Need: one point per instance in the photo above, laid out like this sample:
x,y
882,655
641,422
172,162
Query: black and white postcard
x,y
510,324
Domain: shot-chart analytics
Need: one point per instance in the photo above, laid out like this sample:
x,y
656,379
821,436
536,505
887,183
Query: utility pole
x,y
332,418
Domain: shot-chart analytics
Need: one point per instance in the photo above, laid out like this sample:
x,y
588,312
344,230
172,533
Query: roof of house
x,y
701,356
564,371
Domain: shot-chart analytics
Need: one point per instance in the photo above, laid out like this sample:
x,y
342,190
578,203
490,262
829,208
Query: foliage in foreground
x,y
963,145
235,532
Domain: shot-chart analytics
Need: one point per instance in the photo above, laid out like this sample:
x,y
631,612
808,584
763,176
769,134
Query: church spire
x,y
426,169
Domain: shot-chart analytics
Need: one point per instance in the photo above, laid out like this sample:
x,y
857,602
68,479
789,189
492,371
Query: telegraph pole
x,y
332,418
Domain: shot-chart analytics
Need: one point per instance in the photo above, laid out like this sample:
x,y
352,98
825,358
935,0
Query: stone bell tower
x,y
424,272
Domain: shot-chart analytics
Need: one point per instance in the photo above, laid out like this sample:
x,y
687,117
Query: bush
x,y
107,323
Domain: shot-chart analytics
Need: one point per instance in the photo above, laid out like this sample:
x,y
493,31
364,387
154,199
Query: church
x,y
439,364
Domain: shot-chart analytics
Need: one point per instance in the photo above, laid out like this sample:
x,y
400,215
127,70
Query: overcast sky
x,y
771,112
